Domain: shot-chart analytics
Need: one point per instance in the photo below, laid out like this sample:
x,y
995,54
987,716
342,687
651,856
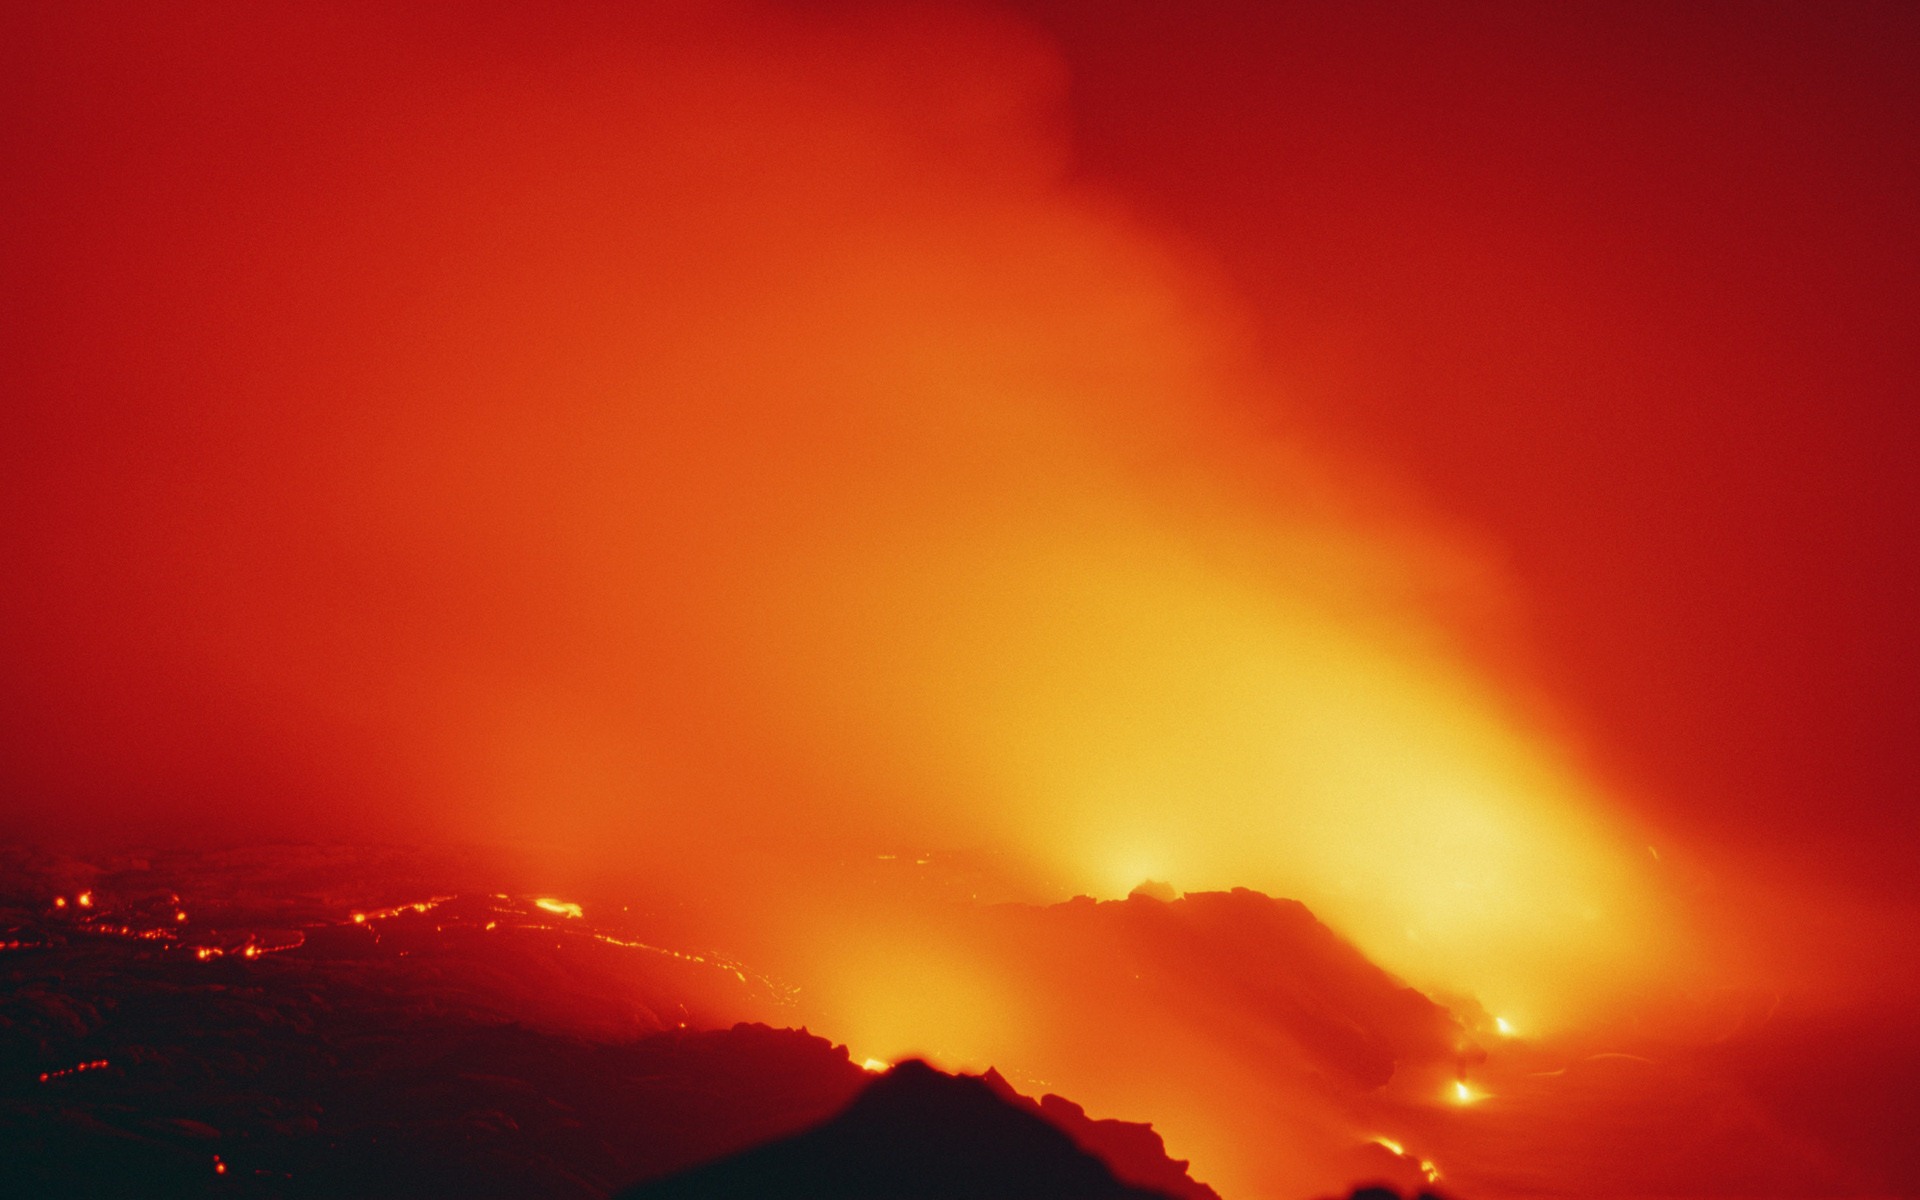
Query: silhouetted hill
x,y
914,1134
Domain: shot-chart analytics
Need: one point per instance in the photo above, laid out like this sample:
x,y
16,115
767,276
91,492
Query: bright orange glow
x,y
85,900
561,907
1504,1026
877,1066
1462,1093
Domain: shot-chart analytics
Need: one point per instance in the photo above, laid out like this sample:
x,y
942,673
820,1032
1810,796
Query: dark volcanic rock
x,y
914,1133
145,1054
285,1049
420,1109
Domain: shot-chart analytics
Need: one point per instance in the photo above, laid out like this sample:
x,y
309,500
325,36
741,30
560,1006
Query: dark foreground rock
x,y
285,1032
914,1134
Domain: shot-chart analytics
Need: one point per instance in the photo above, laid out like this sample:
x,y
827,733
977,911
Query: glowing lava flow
x,y
1428,1170
381,914
251,947
98,1064
99,918
503,913
104,917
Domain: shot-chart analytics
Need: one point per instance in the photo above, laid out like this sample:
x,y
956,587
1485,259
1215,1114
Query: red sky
x,y
1632,290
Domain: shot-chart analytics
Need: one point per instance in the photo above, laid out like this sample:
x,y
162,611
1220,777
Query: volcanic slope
x,y
258,1027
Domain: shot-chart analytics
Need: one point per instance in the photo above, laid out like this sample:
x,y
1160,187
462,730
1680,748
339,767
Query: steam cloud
x,y
616,436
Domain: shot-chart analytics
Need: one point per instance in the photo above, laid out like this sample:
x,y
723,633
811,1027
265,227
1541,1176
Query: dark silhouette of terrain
x,y
914,1134
335,1107
269,1045
291,1022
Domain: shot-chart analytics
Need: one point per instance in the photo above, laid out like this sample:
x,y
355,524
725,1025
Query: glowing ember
x,y
876,1065
1504,1026
85,900
1463,1094
561,907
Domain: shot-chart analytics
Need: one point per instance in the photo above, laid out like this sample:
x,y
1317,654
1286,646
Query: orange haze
x,y
623,436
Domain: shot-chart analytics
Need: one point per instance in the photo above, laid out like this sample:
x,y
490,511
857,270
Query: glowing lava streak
x,y
98,1064
561,907
1428,1170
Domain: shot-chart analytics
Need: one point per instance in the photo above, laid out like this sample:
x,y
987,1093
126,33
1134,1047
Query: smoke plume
x,y
709,443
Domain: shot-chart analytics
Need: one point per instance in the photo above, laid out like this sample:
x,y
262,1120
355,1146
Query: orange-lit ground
x,y
796,463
